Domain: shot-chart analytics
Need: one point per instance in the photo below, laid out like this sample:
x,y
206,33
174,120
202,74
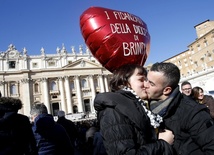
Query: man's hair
x,y
121,76
38,108
61,113
170,71
185,83
10,104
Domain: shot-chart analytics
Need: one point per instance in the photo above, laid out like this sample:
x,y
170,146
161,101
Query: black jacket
x,y
192,126
125,127
51,137
16,136
69,127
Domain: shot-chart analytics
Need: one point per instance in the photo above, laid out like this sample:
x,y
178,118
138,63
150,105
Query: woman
x,y
207,100
126,125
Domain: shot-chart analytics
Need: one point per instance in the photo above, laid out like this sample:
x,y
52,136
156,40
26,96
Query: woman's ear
x,y
167,90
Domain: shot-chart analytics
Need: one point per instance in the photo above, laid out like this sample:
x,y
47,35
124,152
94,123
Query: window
x,y
72,85
205,43
35,65
192,51
84,83
36,88
199,47
12,64
53,85
13,89
96,84
51,63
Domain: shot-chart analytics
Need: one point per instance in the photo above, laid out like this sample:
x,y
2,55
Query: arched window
x,y
96,83
36,88
53,85
84,83
72,85
13,89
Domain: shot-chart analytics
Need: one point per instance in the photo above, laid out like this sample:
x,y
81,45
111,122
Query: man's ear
x,y
167,91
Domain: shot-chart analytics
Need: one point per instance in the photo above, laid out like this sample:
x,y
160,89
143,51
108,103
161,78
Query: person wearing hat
x,y
16,136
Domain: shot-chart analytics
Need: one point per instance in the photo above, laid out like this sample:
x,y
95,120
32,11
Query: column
x,y
102,88
79,94
62,94
68,95
46,94
6,89
93,92
26,96
106,83
2,88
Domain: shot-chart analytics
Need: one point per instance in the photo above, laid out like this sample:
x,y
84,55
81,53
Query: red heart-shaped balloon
x,y
115,38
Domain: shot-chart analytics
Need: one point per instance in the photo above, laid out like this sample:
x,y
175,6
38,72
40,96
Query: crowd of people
x,y
197,93
144,113
41,135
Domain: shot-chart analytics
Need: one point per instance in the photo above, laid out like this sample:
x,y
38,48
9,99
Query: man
x,y
16,136
68,125
186,88
51,137
190,122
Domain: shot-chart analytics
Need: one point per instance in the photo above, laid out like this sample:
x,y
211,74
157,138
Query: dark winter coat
x,y
16,136
125,127
192,126
51,138
69,127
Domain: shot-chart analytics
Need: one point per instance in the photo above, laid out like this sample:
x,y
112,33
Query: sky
x,y
33,24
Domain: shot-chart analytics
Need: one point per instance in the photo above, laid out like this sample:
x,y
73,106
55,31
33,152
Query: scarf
x,y
155,119
160,107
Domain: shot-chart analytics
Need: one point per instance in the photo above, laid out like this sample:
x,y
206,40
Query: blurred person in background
x,y
207,100
186,88
69,127
16,136
51,137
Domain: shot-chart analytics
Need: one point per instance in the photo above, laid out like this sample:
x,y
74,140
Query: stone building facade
x,y
67,81
197,62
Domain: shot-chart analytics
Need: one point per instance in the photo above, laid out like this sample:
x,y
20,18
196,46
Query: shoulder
x,y
106,95
112,99
189,105
114,95
24,117
208,97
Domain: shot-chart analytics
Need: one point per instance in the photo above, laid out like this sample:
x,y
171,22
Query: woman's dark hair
x,y
121,76
195,92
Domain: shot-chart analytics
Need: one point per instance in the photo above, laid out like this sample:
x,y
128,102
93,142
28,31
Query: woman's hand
x,y
167,135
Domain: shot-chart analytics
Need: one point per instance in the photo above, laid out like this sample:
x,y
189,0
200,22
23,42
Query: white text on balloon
x,y
120,28
133,48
